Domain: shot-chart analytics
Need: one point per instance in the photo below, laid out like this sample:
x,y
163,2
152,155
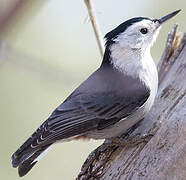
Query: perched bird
x,y
113,99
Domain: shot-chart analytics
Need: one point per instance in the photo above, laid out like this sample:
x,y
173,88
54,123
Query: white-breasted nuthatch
x,y
113,99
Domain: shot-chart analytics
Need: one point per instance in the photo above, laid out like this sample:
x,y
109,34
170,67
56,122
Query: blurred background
x,y
47,48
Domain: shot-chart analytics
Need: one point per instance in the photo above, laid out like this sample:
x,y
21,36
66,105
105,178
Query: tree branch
x,y
95,26
164,155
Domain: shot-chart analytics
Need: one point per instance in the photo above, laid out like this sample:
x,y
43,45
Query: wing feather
x,y
89,108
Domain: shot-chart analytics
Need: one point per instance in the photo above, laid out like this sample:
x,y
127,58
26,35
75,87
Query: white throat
x,y
137,64
129,61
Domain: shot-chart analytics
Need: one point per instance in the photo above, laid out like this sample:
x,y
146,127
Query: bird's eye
x,y
144,30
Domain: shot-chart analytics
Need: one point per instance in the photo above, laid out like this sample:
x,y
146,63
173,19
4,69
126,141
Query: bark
x,y
164,155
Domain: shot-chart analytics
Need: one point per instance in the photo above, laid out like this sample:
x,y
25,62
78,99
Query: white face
x,y
140,35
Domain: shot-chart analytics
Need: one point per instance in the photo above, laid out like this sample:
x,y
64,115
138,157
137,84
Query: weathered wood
x,y
164,155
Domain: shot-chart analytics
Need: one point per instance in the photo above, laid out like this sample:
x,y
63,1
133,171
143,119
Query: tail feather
x,y
28,163
27,156
25,167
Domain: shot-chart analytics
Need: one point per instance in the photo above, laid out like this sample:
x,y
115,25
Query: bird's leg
x,y
130,141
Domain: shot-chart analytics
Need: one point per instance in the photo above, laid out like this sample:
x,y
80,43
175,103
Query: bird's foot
x,y
130,141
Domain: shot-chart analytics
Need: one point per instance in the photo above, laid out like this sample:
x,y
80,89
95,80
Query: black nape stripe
x,y
110,36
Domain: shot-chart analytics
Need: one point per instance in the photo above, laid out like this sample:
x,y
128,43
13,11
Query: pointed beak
x,y
167,17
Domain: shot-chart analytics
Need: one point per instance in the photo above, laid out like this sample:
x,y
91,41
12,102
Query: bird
x,y
110,101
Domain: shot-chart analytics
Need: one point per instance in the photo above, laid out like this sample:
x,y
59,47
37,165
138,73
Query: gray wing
x,y
90,108
83,113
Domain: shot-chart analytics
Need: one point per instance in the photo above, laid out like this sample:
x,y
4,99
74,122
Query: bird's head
x,y
136,34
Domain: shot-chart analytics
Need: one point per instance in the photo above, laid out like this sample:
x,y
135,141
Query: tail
x,y
27,156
